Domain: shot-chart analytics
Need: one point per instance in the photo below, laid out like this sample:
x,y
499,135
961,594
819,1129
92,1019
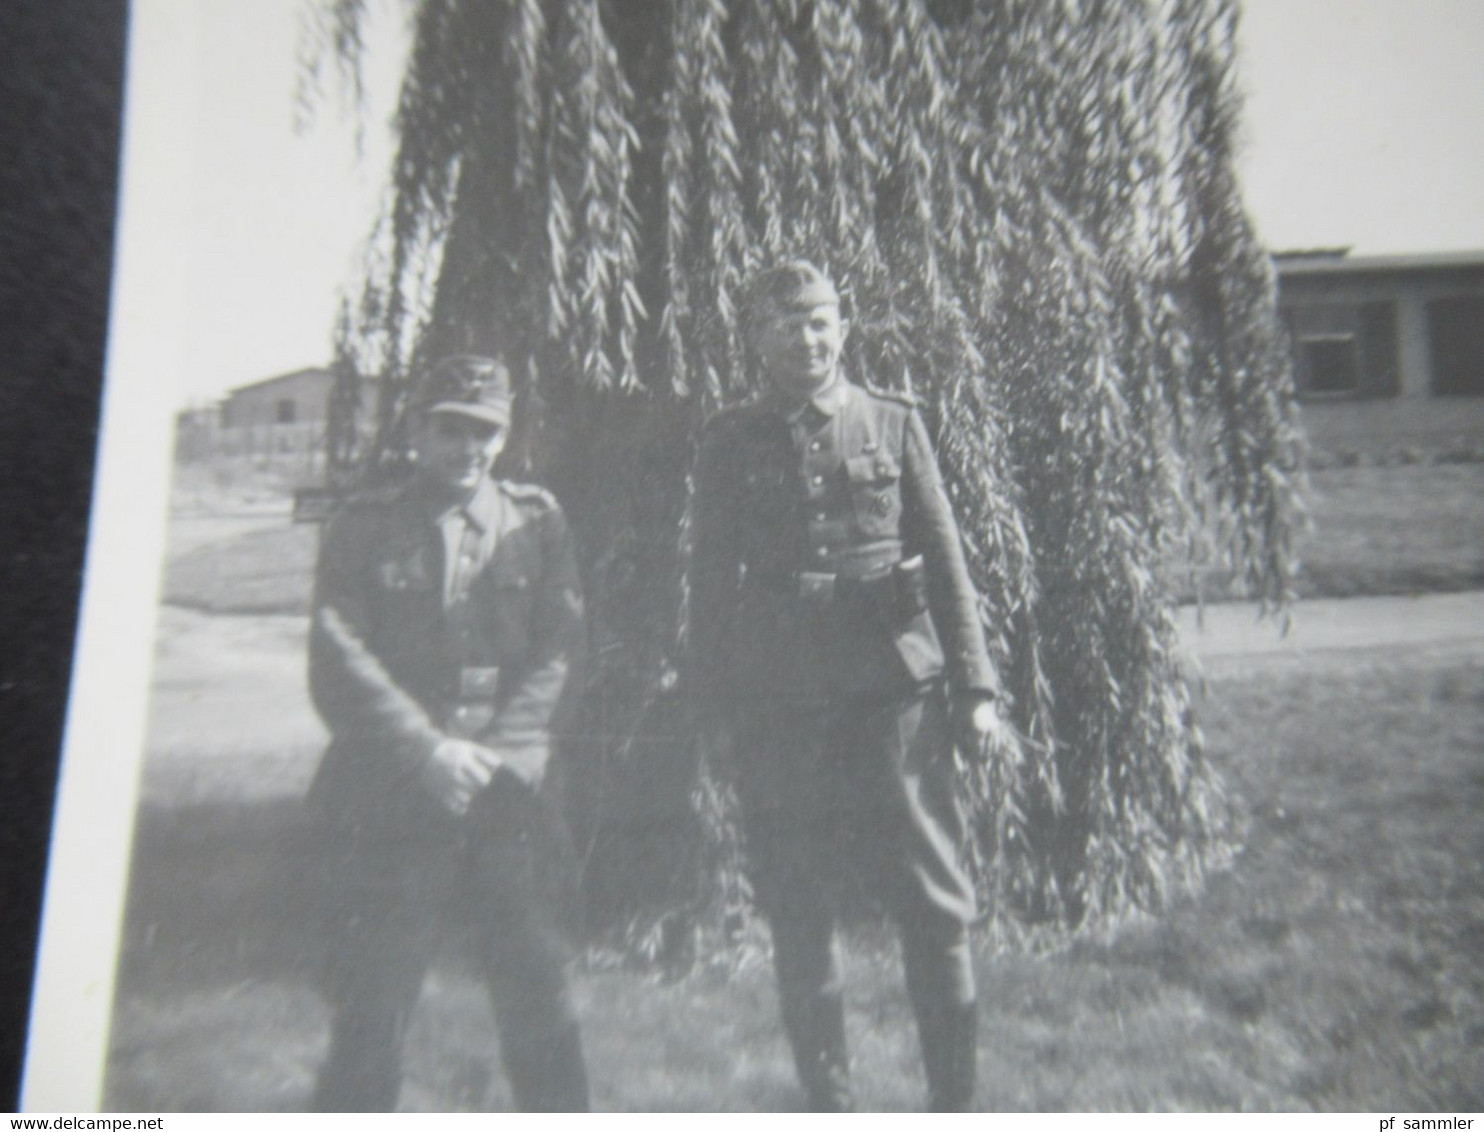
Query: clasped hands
x,y
457,770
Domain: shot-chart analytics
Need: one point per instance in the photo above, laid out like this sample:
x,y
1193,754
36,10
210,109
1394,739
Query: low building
x,y
300,397
1387,350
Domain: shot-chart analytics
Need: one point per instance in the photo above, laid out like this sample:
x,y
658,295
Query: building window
x,y
1329,365
286,411
1456,344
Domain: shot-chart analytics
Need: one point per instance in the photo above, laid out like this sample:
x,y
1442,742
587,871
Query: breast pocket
x,y
875,494
765,489
407,604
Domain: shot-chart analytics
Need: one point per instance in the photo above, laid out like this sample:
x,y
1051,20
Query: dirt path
x,y
187,532
225,684
1427,620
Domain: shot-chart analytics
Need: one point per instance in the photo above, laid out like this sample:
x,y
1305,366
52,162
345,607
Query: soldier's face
x,y
800,346
455,452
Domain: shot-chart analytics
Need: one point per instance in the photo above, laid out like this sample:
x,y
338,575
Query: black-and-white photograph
x,y
783,556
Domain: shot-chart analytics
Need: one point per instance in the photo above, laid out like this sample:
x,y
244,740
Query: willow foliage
x,y
1032,206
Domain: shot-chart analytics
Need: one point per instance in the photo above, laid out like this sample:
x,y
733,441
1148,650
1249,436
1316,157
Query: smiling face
x,y
456,451
799,346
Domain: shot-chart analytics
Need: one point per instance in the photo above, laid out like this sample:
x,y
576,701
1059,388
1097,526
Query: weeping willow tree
x,y
1033,211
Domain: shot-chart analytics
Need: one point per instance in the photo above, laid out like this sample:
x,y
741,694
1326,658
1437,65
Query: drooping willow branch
x,y
1034,212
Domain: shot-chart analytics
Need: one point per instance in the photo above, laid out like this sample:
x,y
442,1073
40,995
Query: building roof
x,y
1326,262
291,375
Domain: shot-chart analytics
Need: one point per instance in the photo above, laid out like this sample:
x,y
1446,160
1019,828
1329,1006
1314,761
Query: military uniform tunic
x,y
796,513
831,612
429,622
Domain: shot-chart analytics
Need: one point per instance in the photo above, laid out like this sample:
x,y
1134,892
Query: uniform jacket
x,y
426,624
791,509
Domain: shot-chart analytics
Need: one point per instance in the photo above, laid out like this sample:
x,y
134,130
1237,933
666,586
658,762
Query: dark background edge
x,y
61,96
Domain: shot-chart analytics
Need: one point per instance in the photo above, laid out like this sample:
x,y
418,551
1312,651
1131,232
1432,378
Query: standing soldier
x,y
447,616
827,569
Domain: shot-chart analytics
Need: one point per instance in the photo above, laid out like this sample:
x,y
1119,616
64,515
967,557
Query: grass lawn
x,y
269,570
1403,529
1336,966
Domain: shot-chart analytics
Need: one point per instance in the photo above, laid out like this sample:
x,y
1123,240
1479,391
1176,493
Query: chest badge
x,y
409,573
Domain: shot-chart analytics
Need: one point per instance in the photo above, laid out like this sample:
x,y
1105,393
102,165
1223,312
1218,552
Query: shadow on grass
x,y
218,1007
215,1006
1336,966
221,892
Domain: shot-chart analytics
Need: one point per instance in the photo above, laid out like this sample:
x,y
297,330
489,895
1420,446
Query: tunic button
x,y
820,516
815,446
882,505
817,480
823,552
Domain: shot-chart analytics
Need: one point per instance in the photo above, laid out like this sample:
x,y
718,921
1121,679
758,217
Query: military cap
x,y
790,285
468,385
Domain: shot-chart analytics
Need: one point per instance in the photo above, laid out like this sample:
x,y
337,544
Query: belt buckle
x,y
469,720
816,587
478,683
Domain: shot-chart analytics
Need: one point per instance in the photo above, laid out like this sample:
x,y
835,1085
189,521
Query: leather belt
x,y
885,585
478,683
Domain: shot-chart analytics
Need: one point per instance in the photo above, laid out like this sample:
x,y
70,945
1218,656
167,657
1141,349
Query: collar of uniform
x,y
826,401
480,510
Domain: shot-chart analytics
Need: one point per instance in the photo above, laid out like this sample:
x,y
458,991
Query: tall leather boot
x,y
549,1075
363,1072
949,1034
816,1032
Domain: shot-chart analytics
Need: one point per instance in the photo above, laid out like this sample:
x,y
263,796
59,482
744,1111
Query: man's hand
x,y
978,728
458,770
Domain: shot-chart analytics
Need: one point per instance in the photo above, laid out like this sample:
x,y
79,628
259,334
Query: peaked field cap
x,y
791,284
469,386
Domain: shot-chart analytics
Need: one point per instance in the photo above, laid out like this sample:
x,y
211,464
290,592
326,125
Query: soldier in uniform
x,y
835,635
447,616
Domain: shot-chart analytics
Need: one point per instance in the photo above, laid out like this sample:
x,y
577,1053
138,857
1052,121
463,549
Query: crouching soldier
x,y
447,616
835,634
